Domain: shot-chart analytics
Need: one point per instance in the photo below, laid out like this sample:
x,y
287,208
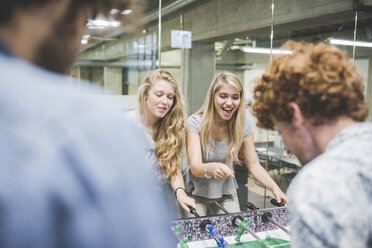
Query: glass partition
x,y
227,35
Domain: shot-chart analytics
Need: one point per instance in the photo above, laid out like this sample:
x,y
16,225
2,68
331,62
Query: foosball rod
x,y
268,216
193,211
237,222
206,225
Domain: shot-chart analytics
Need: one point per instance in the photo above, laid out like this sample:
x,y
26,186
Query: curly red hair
x,y
319,78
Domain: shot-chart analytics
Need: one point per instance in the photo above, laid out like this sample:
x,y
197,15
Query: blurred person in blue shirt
x,y
69,175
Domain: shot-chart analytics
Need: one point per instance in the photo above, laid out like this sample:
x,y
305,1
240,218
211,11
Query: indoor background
x,y
222,35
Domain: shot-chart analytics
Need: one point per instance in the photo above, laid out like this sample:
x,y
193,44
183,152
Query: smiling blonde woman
x,y
161,116
215,136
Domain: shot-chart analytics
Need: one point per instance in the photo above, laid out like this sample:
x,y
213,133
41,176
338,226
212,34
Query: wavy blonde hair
x,y
169,131
236,123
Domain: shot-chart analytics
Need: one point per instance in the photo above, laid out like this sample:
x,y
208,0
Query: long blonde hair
x,y
169,131
236,123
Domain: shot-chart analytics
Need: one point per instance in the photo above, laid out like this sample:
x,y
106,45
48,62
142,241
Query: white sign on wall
x,y
181,39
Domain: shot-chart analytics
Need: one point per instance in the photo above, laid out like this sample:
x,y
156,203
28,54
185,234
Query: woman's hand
x,y
184,200
279,195
222,171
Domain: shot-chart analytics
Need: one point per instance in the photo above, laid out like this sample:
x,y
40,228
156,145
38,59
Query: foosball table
x,y
251,229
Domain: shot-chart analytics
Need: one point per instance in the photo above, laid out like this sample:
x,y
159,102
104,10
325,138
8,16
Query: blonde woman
x,y
215,136
161,116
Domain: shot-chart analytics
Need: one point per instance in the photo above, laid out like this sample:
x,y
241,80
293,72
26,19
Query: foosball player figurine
x,y
177,230
265,243
241,229
212,231
184,242
222,242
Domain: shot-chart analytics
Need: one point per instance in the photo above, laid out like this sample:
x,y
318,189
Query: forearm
x,y
178,187
202,169
262,176
177,181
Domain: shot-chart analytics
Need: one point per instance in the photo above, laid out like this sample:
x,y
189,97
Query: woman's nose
x,y
164,100
229,101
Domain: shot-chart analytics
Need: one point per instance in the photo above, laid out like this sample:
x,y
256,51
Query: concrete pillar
x,y
97,75
199,72
85,73
75,73
112,79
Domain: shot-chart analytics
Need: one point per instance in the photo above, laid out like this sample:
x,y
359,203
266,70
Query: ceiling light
x,y
100,24
350,43
264,50
126,12
114,11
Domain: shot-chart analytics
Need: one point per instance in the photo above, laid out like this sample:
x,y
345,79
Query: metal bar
x,y
159,35
253,234
222,208
355,33
278,225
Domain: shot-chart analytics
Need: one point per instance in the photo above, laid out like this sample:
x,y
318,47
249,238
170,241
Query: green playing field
x,y
272,242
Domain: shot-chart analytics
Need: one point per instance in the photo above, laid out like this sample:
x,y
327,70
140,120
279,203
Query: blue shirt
x,y
73,171
330,200
164,186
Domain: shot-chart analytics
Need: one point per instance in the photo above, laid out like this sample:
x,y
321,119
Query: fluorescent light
x,y
114,11
264,50
350,43
100,24
126,12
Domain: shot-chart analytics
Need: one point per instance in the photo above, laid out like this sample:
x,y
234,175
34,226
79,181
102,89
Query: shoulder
x,y
194,123
248,123
134,116
321,198
315,184
58,106
195,118
66,135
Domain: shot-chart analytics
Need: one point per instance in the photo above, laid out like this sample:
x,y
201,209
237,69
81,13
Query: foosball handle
x,y
236,220
204,223
276,203
193,211
265,217
251,206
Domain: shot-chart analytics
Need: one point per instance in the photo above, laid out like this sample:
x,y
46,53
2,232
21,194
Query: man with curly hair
x,y
314,98
73,172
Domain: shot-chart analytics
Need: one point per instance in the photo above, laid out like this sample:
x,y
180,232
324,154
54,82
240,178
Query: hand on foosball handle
x,y
193,211
276,203
251,206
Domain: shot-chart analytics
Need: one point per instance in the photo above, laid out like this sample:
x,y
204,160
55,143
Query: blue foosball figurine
x,y
212,231
222,242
